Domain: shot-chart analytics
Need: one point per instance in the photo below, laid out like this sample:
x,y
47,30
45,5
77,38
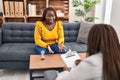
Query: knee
x,y
40,49
37,49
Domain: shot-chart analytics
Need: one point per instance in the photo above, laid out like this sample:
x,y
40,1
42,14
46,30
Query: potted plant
x,y
85,7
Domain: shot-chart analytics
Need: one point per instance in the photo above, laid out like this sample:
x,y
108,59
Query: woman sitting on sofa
x,y
49,34
103,62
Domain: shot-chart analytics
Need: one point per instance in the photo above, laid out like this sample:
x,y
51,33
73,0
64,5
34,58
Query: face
x,y
50,17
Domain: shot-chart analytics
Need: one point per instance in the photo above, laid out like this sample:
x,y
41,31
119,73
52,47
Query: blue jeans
x,y
54,47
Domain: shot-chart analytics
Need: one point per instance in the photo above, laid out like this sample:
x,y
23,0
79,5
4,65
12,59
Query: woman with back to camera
x,y
49,34
103,62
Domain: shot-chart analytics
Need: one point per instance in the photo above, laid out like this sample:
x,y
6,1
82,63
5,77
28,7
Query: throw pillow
x,y
83,32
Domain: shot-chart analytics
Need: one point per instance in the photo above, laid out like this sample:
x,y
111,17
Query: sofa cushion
x,y
14,65
84,31
79,47
16,51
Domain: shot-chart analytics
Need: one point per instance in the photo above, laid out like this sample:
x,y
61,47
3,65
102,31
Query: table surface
x,y
51,61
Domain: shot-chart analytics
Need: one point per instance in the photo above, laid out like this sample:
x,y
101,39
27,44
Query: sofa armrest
x,y
0,37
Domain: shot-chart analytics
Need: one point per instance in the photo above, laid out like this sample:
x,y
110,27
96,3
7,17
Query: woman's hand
x,y
77,61
49,49
61,47
67,68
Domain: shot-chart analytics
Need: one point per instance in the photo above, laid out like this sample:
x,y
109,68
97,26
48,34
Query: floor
x,y
16,75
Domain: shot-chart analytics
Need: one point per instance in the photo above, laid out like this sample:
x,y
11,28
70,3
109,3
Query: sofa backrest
x,y
13,32
17,32
71,31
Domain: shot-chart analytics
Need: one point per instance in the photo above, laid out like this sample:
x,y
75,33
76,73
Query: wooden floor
x,y
15,75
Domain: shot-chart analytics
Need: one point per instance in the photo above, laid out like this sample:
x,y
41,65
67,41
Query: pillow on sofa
x,y
83,31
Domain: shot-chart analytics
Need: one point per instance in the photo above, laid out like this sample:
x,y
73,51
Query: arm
x,y
37,36
60,33
86,70
61,36
82,72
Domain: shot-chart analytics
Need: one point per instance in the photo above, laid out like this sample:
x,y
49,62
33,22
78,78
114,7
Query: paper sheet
x,y
70,61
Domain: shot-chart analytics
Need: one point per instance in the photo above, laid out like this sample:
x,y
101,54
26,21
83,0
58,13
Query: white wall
x,y
100,11
73,17
0,5
115,16
108,9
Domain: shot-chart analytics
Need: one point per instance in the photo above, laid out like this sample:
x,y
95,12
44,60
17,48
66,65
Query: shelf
x,y
32,10
14,17
15,20
36,5
34,16
63,17
1,18
33,19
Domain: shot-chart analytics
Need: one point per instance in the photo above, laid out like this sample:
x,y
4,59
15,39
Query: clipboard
x,y
70,61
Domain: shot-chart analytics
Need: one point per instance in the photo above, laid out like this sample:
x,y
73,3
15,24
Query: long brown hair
x,y
45,12
103,38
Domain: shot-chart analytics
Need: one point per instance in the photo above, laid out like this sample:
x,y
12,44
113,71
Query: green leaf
x,y
76,3
79,12
90,19
76,21
88,4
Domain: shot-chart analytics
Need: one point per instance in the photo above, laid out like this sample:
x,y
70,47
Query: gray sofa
x,y
17,43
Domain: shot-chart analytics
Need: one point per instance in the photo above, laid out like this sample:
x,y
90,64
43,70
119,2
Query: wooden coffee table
x,y
52,61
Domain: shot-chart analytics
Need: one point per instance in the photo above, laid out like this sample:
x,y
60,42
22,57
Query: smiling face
x,y
50,17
